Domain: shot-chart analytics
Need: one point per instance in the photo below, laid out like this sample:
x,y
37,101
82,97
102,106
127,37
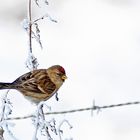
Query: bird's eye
x,y
58,74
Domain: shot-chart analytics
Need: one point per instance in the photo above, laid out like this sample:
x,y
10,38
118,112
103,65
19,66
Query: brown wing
x,y
35,81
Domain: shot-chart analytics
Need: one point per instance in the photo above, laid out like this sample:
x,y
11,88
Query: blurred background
x,y
98,43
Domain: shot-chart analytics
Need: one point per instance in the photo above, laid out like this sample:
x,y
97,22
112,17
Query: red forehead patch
x,y
61,69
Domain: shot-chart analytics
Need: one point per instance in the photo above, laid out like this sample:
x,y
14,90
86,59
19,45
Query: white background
x,y
98,43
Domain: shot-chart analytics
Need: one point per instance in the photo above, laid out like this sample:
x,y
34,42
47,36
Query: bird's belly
x,y
37,97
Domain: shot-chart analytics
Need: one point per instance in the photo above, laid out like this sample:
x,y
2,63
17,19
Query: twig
x,y
60,125
31,62
30,25
1,133
6,111
43,17
40,122
39,115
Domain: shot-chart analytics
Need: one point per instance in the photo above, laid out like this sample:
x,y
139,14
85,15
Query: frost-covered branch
x,y
6,111
43,17
1,133
42,125
32,28
45,1
60,131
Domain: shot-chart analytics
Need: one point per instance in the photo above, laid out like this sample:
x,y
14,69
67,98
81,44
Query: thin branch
x,y
60,131
30,25
40,122
1,133
6,111
98,108
43,17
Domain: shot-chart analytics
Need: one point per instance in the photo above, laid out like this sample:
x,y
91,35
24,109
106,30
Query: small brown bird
x,y
38,85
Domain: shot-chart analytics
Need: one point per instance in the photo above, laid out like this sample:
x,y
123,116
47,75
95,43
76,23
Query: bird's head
x,y
57,74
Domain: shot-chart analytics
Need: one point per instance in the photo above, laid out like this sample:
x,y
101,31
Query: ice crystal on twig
x,y
1,133
31,62
25,24
6,108
36,34
6,111
45,16
45,1
41,124
36,1
60,131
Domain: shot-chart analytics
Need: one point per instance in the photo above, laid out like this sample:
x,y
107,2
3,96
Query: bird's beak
x,y
64,77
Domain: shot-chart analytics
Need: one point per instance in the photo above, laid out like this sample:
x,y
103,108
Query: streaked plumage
x,y
38,85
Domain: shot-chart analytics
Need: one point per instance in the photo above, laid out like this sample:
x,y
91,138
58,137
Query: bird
x,y
38,85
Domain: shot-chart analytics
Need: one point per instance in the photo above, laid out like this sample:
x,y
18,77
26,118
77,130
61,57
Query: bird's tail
x,y
6,86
